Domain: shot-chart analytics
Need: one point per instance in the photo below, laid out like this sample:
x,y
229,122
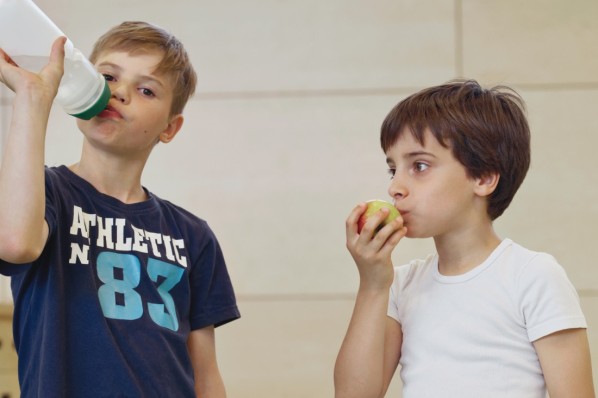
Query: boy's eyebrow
x,y
411,155
143,77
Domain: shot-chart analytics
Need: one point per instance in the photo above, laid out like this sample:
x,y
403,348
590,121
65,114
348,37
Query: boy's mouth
x,y
110,113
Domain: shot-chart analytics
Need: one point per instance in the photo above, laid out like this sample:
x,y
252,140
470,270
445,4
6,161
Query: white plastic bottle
x,y
27,34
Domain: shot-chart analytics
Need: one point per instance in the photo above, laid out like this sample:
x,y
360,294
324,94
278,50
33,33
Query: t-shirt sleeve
x,y
51,201
393,296
548,300
213,299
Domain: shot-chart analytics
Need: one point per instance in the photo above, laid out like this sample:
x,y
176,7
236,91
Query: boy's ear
x,y
485,185
171,130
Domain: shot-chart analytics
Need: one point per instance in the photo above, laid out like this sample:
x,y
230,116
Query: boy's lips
x,y
110,113
401,211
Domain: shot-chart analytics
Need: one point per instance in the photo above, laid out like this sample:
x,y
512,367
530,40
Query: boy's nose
x,y
119,92
397,189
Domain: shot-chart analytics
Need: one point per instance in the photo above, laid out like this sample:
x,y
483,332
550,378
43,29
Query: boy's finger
x,y
393,240
369,230
374,222
57,53
351,222
4,56
383,233
54,70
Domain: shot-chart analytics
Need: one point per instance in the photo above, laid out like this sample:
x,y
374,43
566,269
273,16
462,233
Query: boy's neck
x,y
460,253
112,181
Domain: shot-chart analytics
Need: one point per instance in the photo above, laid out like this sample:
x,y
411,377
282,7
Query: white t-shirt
x,y
471,335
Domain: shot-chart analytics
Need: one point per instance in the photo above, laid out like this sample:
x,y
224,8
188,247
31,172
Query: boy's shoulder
x,y
63,186
522,257
415,269
177,210
509,254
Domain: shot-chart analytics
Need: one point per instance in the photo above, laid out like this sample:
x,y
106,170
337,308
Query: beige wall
x,y
281,142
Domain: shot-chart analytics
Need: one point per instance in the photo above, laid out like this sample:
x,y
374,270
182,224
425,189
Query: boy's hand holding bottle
x,y
39,87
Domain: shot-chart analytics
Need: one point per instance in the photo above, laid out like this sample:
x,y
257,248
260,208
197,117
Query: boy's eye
x,y
392,172
147,92
420,166
108,77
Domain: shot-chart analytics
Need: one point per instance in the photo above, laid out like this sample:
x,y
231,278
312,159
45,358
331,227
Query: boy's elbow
x,y
355,393
344,389
19,251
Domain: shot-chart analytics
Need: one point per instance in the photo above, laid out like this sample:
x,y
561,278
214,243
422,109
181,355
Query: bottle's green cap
x,y
98,106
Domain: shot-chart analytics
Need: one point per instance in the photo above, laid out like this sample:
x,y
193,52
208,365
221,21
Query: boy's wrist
x,y
32,102
374,288
375,277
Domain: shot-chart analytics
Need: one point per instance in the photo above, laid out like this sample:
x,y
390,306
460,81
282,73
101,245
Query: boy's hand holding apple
x,y
373,206
373,229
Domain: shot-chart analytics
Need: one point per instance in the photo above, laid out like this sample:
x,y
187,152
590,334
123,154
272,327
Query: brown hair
x,y
486,129
138,37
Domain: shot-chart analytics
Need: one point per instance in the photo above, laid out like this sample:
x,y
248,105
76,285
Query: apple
x,y
373,207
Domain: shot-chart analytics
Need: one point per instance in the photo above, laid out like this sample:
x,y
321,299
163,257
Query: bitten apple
x,y
373,207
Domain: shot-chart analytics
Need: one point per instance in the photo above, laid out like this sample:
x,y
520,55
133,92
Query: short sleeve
x,y
213,299
393,307
404,279
548,301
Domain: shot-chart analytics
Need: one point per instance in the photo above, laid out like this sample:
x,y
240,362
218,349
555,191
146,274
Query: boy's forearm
x,y
202,351
22,188
359,366
212,388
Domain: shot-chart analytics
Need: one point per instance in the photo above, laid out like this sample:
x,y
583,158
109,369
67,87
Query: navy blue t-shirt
x,y
107,308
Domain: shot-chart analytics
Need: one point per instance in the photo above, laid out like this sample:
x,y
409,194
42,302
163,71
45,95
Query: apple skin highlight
x,y
373,207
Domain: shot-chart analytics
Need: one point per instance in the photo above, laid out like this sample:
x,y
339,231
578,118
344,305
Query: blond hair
x,y
137,37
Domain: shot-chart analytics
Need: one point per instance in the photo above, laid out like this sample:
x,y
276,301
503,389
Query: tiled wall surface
x,y
9,384
281,142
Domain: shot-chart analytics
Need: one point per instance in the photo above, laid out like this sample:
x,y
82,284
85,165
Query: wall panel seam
x,y
583,293
282,94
